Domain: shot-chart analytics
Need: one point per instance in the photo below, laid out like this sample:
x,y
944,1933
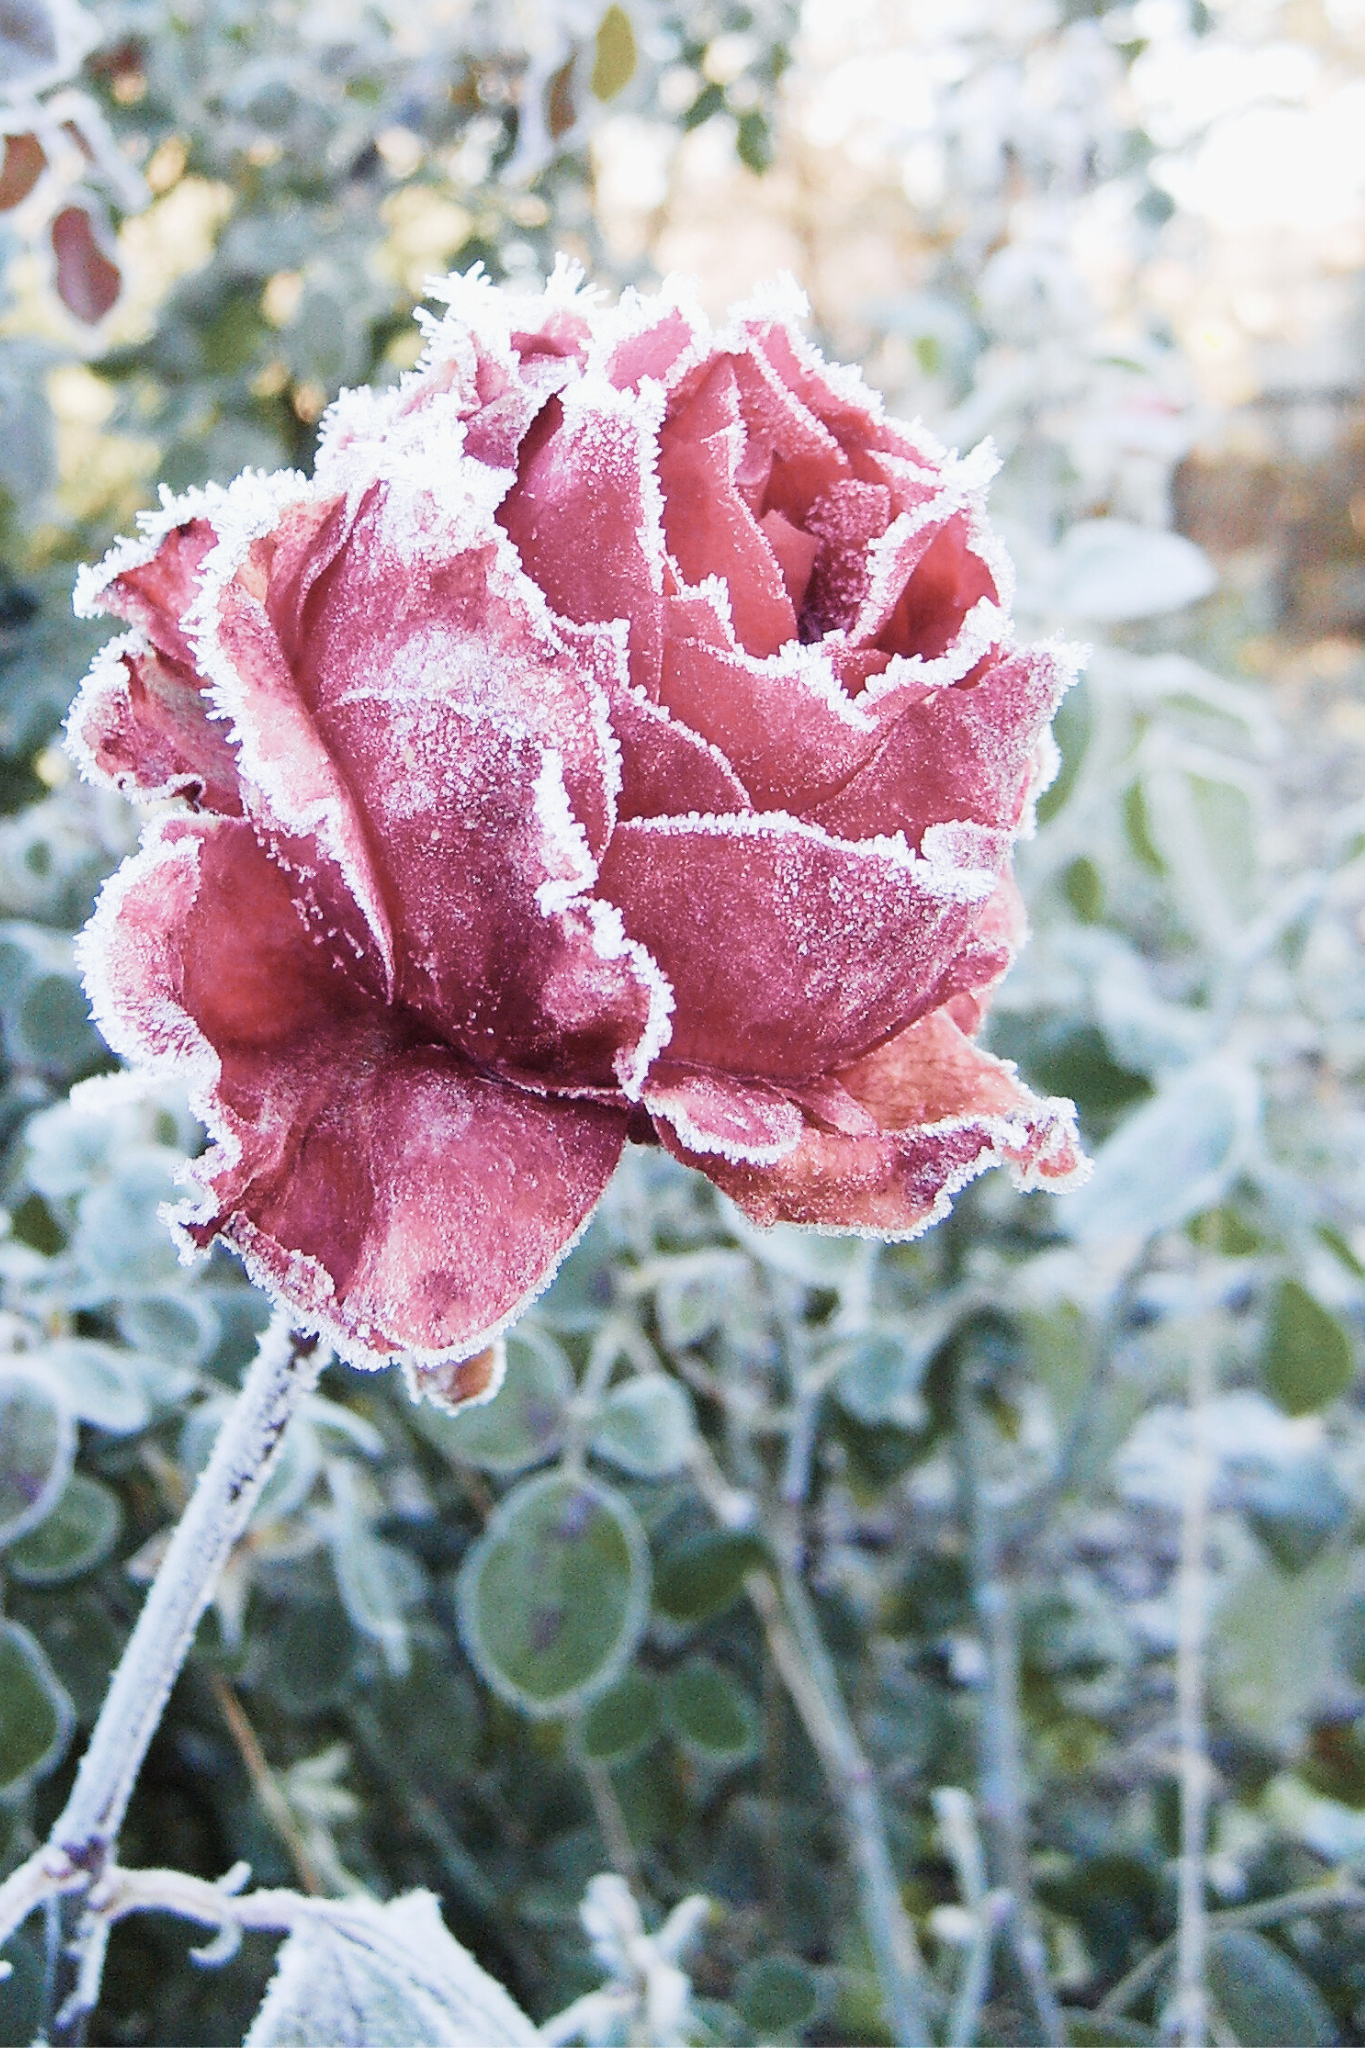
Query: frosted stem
x,y
1187,2020
285,1368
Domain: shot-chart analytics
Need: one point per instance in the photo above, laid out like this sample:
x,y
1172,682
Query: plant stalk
x,y
286,1367
1004,1810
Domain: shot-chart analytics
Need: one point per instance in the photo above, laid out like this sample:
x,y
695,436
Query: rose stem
x,y
1000,1738
286,1367
797,1648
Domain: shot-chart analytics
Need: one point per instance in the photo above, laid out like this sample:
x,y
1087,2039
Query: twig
x,y
798,1650
611,1821
1003,1808
1338,1895
1188,2018
265,1785
285,1368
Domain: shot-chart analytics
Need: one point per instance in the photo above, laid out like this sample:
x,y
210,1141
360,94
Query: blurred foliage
x,y
495,1655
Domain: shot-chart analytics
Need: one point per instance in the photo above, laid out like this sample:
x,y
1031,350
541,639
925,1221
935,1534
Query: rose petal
x,y
709,526
141,723
785,725
585,515
789,951
399,1201
665,766
712,1112
478,740
156,592
961,752
948,1111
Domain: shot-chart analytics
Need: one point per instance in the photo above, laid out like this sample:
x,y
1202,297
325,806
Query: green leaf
x,y
1083,888
1271,1644
554,1596
524,1422
777,1995
79,1534
37,1450
623,1720
645,1427
1296,1509
614,54
1071,730
309,1656
1088,2030
711,1712
1307,1361
36,1716
99,1384
1171,1158
704,1575
358,1975
753,140
878,1373
1265,1999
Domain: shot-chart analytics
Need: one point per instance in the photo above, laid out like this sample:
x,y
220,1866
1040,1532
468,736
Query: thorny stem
x,y
1189,2017
285,1368
1004,1810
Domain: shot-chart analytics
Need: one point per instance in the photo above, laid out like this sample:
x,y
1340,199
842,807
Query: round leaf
x,y
36,1716
37,1448
309,1657
645,1427
78,1535
711,1712
1263,1997
878,1372
99,1384
705,1574
554,1595
1307,1360
777,1994
623,1720
524,1422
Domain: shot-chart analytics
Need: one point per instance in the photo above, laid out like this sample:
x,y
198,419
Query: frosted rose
x,y
621,735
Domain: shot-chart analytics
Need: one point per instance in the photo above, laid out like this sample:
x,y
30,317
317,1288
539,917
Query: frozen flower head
x,y
620,736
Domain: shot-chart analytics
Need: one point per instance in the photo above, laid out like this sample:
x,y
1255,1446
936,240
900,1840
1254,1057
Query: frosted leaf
x,y
1111,571
360,1975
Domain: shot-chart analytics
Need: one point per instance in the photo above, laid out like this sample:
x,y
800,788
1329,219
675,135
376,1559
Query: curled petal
x,y
789,951
155,584
400,1202
142,724
945,1111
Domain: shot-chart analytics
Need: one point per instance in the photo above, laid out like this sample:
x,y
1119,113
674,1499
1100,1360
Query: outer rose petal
x,y
141,723
156,593
397,1200
947,1111
788,951
477,741
711,1112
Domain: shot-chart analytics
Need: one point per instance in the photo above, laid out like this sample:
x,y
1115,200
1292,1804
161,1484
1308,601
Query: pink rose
x,y
620,736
